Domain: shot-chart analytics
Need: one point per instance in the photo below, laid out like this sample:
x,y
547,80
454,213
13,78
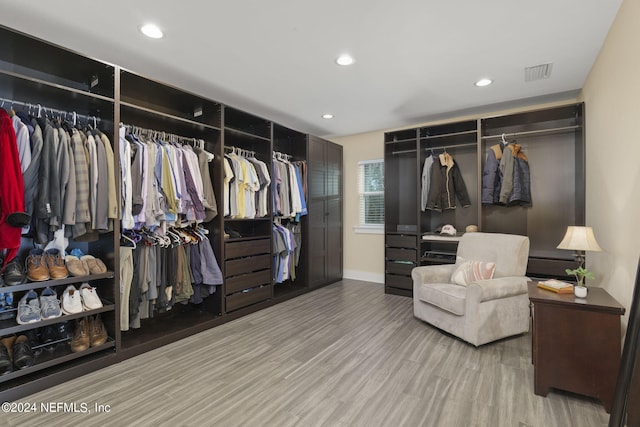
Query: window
x,y
371,192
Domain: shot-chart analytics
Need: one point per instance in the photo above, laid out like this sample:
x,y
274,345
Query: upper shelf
x,y
31,58
149,95
247,124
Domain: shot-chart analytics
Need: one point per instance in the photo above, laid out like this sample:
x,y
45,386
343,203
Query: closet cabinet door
x,y
325,212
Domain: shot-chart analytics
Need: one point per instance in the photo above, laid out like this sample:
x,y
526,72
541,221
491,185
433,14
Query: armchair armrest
x,y
433,273
503,287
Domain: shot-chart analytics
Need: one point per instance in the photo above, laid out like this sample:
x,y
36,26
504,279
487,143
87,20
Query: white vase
x,y
580,291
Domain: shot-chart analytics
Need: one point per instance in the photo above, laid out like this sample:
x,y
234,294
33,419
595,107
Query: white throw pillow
x,y
473,271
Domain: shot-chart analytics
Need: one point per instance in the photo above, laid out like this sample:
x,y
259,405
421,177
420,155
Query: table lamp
x,y
580,239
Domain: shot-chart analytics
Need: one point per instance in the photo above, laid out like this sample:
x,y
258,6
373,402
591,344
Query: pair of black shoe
x,y
48,337
15,351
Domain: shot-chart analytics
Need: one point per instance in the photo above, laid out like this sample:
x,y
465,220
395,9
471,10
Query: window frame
x,y
363,227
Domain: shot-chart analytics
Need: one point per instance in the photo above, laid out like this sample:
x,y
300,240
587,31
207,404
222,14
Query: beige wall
x,y
363,253
612,98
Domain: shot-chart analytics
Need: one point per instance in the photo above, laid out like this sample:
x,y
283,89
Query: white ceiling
x,y
416,60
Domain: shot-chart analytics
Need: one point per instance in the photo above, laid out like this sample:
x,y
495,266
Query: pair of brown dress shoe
x,y
45,265
90,332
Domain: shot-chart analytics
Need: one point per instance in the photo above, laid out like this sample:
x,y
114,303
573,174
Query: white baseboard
x,y
366,276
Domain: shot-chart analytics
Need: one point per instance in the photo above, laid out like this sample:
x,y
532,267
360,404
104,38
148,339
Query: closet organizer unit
x,y
151,105
36,75
293,144
105,96
553,141
247,234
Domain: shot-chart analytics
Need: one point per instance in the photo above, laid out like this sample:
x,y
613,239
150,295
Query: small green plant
x,y
580,274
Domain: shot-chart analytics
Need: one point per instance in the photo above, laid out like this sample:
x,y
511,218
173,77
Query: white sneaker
x,y
90,298
71,301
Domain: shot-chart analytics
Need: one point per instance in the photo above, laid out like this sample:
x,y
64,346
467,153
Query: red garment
x,y
11,186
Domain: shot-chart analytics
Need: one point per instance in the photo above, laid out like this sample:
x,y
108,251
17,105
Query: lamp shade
x,y
579,239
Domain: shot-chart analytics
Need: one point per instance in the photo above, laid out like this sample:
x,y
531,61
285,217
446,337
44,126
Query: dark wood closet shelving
x,y
36,72
557,188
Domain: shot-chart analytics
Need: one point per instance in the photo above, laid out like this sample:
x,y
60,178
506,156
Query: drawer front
x,y
399,268
552,267
246,281
247,248
243,299
395,254
402,282
400,241
246,265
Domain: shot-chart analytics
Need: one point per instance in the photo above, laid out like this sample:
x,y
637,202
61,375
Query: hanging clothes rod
x,y
532,132
170,137
279,155
39,109
444,147
240,151
441,147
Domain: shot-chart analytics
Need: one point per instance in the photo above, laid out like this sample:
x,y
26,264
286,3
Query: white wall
x,y
612,98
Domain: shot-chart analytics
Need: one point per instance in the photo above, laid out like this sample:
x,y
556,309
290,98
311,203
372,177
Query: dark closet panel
x,y
325,212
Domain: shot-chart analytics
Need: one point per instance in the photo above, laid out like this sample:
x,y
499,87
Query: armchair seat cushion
x,y
444,295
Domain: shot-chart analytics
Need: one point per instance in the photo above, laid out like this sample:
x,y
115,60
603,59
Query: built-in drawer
x,y
399,268
248,297
401,241
402,282
247,248
245,281
396,254
246,264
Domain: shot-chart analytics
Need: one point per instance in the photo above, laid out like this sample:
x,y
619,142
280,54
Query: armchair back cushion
x,y
510,253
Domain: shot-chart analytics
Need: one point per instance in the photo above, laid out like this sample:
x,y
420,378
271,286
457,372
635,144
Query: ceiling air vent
x,y
537,72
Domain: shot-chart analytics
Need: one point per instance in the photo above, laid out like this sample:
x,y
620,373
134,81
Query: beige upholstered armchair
x,y
483,296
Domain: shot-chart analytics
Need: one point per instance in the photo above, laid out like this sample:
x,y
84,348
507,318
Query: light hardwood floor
x,y
344,355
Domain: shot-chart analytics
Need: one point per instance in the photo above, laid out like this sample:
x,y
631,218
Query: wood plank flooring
x,y
344,355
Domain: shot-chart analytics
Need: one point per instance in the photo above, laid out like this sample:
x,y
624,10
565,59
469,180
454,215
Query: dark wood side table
x,y
576,343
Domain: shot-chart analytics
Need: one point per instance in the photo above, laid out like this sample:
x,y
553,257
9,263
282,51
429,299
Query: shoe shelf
x,y
57,282
59,355
10,326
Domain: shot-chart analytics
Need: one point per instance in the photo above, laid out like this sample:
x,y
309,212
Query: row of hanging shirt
x,y
286,251
164,183
506,178
68,174
246,185
160,271
442,183
288,195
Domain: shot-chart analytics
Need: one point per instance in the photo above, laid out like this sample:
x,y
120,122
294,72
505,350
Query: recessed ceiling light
x,y
327,116
484,82
151,31
345,60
